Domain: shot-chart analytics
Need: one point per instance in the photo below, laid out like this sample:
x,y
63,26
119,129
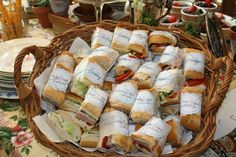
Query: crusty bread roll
x,y
145,106
138,42
123,96
66,58
190,108
194,63
72,102
89,139
176,132
146,75
151,138
158,40
121,39
101,37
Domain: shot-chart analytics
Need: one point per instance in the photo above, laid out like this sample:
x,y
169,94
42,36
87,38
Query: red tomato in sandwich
x,y
193,9
173,95
137,55
123,77
172,19
195,82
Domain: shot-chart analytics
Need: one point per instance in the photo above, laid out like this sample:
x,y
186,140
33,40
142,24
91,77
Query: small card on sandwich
x,y
126,67
168,84
123,96
146,75
113,131
101,37
64,124
158,40
92,107
121,39
138,44
151,138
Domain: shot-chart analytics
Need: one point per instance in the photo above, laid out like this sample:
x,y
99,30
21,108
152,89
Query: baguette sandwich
x,y
126,67
101,37
138,44
89,138
72,103
62,122
158,40
146,75
121,39
190,108
151,138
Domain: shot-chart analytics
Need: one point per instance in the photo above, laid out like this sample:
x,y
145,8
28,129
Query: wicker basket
x,y
213,97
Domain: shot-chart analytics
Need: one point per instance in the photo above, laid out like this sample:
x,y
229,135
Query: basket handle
x,y
24,90
219,94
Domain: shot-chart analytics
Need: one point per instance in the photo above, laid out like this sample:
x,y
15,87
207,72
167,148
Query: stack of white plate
x,y
8,52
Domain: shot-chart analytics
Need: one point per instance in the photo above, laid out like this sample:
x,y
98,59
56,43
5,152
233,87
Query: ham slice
x,y
85,118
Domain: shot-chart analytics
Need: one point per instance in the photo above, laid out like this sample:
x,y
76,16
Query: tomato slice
x,y
195,82
104,142
137,55
173,95
122,77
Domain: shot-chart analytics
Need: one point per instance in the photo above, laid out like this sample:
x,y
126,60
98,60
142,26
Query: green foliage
x,y
5,139
41,3
148,19
23,122
9,106
26,149
192,29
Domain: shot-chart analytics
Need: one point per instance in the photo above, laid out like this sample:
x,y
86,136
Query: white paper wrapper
x,y
102,37
80,48
139,37
132,63
190,103
194,62
166,34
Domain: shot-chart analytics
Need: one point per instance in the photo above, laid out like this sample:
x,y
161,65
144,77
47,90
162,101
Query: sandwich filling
x,y
196,82
123,76
156,46
87,117
164,95
136,54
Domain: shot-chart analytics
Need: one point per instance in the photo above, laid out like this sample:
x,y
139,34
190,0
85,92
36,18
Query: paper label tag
x,y
190,103
145,102
66,60
131,63
156,128
125,93
139,37
150,68
115,122
168,79
59,79
96,97
122,36
166,34
194,62
102,37
171,56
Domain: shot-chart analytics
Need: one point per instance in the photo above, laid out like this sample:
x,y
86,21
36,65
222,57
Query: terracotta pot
x,y
192,18
42,15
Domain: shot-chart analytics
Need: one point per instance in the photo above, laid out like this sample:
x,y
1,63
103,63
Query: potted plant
x,y
41,10
60,7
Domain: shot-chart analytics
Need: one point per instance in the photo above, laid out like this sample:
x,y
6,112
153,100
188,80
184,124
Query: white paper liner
x,y
80,48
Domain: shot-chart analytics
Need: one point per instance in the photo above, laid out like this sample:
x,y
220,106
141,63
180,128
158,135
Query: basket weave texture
x,y
213,97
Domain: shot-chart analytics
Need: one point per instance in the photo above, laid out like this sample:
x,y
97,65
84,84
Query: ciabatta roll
x,y
101,37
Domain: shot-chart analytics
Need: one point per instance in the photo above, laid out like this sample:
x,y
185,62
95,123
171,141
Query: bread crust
x,y
121,141
119,47
193,74
121,106
191,121
143,80
95,111
140,117
138,48
158,39
192,90
54,95
88,144
172,101
174,137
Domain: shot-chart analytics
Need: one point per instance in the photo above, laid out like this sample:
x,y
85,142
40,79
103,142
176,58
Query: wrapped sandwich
x,y
113,130
63,123
145,106
57,84
72,102
89,138
176,132
158,40
123,96
92,107
126,67
104,56
151,138
66,58
194,64
190,108
121,39
146,75
138,44
87,73
168,84
132,128
101,37
172,57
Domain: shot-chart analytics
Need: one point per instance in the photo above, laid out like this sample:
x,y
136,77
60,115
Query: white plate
x,y
8,94
229,20
10,49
